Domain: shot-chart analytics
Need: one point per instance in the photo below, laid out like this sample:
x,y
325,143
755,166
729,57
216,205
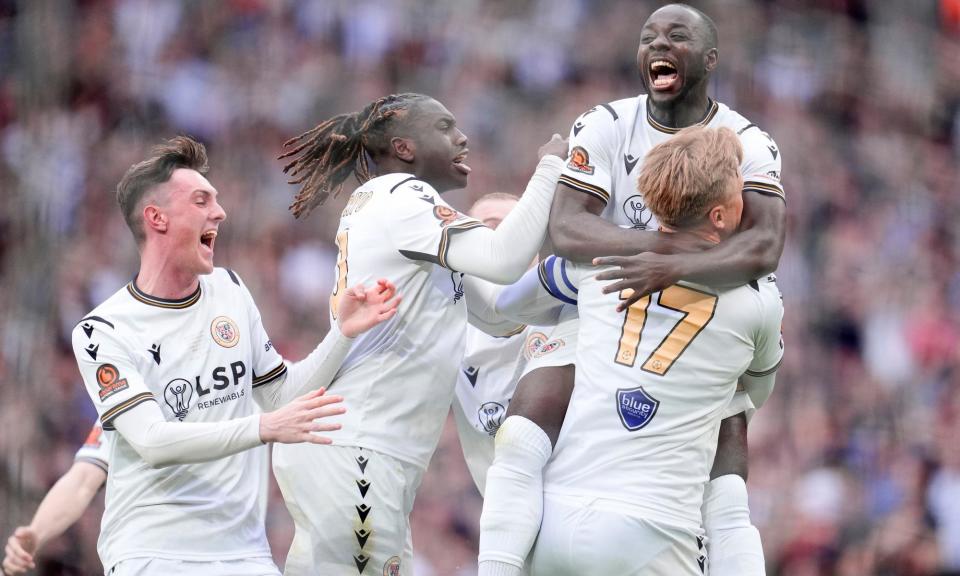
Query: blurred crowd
x,y
854,468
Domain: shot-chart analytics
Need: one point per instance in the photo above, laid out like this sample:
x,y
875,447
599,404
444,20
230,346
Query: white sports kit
x,y
654,382
199,359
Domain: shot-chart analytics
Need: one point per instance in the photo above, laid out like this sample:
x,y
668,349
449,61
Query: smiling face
x,y
677,53
184,216
440,147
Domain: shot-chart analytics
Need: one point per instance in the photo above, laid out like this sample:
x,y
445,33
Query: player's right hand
x,y
363,308
557,146
21,547
296,423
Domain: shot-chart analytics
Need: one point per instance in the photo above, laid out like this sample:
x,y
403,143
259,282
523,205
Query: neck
x,y
682,112
702,232
393,165
160,278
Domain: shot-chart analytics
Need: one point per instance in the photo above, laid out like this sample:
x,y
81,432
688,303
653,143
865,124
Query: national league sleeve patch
x,y
108,378
580,161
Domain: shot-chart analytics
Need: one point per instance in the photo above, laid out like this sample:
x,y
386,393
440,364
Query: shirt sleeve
x,y
96,448
589,167
109,373
422,223
768,352
268,365
761,163
560,278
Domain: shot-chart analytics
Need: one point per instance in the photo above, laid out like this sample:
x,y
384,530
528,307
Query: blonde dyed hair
x,y
684,177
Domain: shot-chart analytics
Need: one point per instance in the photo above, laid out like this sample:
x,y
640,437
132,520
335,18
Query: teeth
x,y
658,65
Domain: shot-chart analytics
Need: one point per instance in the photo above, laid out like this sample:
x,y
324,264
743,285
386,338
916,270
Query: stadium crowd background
x,y
855,465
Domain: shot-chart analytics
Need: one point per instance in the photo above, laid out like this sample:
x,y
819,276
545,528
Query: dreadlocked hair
x,y
325,156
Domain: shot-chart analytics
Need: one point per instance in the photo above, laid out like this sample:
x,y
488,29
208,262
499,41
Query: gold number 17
x,y
697,308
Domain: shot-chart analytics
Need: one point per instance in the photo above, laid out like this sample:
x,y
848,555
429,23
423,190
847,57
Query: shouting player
x,y
174,362
351,501
596,197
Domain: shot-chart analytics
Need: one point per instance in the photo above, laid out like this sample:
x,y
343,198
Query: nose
x,y
660,42
461,138
219,214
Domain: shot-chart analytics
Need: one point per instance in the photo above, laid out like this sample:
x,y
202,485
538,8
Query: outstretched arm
x,y
61,507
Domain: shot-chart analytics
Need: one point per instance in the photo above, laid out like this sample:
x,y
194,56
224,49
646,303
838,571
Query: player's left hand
x,y
363,308
642,273
18,555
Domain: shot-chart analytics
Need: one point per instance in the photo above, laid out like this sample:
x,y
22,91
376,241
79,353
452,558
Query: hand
x,y
642,273
363,308
295,423
557,146
20,550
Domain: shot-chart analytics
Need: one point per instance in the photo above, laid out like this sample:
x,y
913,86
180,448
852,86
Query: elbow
x,y
508,272
562,238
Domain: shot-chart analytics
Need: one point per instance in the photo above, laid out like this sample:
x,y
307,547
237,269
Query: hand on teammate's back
x,y
363,308
295,422
557,146
20,549
642,273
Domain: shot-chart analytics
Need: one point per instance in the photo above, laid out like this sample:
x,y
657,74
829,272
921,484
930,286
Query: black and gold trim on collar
x,y
711,112
174,304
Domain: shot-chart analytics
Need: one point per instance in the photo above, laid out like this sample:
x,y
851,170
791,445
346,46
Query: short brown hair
x,y
685,176
178,152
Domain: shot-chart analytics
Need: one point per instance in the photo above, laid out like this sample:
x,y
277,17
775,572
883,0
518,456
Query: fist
x,y
557,146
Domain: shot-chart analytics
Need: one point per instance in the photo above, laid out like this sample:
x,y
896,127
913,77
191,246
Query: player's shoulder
x,y
754,139
107,315
607,115
222,278
399,186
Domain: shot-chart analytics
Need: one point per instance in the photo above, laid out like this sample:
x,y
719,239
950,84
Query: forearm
x,y
502,255
482,313
317,370
582,236
758,388
161,443
66,501
528,301
745,256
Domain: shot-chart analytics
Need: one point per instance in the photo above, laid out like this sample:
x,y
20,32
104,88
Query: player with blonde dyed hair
x,y
623,489
696,173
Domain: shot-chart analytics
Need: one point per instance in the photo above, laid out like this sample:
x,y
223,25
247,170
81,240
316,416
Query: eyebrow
x,y
205,193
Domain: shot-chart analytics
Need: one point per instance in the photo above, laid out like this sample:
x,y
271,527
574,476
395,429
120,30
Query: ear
x,y
711,58
718,217
404,149
154,218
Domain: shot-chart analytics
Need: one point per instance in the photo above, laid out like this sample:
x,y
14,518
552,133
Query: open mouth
x,y
458,163
208,238
663,75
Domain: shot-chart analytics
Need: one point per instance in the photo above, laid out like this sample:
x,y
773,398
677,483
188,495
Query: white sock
x,y
513,505
733,543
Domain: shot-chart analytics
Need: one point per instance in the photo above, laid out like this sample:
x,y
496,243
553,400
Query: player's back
x,y
398,380
651,386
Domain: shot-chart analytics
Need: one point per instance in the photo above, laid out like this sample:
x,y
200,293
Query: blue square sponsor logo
x,y
635,407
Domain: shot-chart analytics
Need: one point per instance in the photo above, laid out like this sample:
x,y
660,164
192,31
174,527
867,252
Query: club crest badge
x,y
635,407
225,332
392,567
491,416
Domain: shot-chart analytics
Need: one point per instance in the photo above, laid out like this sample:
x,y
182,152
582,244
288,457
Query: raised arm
x,y
503,255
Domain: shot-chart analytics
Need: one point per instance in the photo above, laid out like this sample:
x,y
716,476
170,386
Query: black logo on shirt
x,y
636,212
491,416
87,329
471,372
177,394
457,286
577,127
773,150
629,162
92,350
155,352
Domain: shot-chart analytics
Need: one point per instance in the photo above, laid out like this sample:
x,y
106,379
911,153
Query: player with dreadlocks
x,y
351,501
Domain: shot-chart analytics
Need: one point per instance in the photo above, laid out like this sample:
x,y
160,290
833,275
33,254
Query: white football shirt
x,y
199,359
398,379
651,387
608,145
